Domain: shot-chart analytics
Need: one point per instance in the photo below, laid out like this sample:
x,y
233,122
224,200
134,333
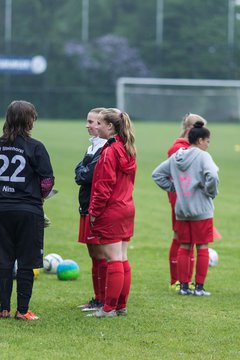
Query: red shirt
x,y
111,196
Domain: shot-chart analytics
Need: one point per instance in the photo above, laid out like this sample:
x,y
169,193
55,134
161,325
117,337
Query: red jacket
x,y
111,196
178,143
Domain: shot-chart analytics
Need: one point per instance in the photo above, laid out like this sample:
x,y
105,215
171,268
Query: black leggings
x,y
24,289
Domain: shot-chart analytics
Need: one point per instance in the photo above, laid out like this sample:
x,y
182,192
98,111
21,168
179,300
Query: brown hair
x,y
20,117
123,127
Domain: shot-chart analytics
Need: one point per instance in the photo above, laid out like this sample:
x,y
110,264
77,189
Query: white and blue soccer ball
x,y
213,257
51,262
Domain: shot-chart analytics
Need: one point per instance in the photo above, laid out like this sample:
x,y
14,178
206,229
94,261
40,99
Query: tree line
x,y
119,39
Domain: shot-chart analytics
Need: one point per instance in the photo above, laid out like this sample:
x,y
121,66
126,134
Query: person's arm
x,y
162,176
44,169
210,171
46,185
84,170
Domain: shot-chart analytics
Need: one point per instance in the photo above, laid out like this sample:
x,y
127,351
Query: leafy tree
x,y
122,42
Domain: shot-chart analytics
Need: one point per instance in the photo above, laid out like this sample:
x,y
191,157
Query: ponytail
x,y
123,127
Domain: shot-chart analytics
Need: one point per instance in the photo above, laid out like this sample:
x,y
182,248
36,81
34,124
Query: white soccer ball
x,y
213,257
51,262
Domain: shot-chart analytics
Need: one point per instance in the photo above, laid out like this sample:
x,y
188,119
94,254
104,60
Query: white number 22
x,y
20,167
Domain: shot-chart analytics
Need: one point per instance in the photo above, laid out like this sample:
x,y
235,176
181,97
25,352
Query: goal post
x,y
163,99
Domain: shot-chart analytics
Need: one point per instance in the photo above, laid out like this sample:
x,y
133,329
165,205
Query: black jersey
x,y
23,165
84,173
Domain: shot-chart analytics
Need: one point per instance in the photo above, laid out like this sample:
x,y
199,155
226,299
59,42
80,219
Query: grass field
x,y
160,324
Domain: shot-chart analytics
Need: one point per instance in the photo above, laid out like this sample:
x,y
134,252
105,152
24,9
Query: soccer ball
x,y
68,270
213,257
51,262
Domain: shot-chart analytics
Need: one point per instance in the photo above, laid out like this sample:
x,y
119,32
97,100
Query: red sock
x,y
122,301
202,265
114,284
102,272
95,282
183,264
191,267
173,253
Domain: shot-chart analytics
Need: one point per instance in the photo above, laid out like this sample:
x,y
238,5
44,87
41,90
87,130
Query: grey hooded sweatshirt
x,y
193,174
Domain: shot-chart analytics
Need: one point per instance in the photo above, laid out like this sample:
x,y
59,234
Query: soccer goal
x,y
170,99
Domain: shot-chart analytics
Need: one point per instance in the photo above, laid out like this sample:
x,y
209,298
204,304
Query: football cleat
x,y
175,286
92,305
100,313
185,292
201,292
4,314
28,316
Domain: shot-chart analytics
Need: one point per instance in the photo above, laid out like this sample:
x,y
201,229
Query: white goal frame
x,y
164,82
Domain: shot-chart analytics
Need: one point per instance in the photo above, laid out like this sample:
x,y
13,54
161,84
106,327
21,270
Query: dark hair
x,y
198,131
20,117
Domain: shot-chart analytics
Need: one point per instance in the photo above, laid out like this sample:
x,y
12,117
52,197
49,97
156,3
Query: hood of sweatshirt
x,y
184,157
127,163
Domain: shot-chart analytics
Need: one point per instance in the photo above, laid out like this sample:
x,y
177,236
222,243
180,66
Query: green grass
x,y
160,324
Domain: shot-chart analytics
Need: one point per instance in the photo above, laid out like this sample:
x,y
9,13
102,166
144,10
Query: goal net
x,y
170,99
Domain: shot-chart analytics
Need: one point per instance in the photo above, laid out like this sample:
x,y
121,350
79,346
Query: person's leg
x,y
184,264
24,289
123,298
184,235
6,284
99,270
173,255
7,259
115,275
29,253
203,235
201,266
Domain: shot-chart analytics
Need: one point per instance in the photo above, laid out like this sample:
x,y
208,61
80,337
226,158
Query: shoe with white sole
x,y
202,292
100,313
28,316
92,305
185,292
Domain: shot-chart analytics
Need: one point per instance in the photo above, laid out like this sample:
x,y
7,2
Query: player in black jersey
x,y
26,178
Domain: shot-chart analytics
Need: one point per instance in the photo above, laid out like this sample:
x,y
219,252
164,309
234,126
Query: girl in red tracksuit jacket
x,y
112,208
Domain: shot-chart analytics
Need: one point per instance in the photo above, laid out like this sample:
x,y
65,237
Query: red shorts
x,y
195,232
91,239
84,229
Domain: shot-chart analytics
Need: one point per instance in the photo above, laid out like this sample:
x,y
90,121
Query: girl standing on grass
x,y
188,121
83,177
112,208
193,175
26,178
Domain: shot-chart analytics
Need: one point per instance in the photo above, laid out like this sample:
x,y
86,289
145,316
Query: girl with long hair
x,y
112,207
